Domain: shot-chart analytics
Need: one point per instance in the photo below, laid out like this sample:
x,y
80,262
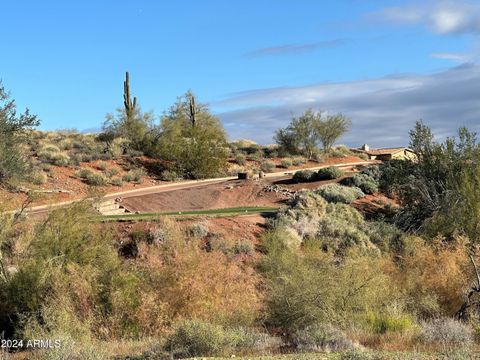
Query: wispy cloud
x,y
461,58
382,110
290,49
444,17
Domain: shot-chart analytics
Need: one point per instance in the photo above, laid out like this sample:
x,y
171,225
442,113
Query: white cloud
x,y
461,58
444,17
382,110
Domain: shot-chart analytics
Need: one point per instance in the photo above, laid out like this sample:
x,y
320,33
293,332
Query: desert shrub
x,y
218,242
270,151
364,182
45,167
318,156
243,247
112,172
78,158
169,175
373,171
281,238
116,181
304,176
431,279
69,273
83,173
337,153
387,237
309,289
329,173
297,161
66,144
240,159
447,331
181,280
198,230
197,338
95,179
321,337
256,156
49,148
54,157
338,193
101,165
267,166
39,178
134,175
119,146
286,163
362,156
384,322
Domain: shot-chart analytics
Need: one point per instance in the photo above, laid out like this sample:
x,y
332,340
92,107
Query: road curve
x,y
184,185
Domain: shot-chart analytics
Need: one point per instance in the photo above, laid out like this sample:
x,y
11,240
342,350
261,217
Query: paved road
x,y
185,185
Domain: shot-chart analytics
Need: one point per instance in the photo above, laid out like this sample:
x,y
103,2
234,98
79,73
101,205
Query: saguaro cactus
x,y
130,106
193,111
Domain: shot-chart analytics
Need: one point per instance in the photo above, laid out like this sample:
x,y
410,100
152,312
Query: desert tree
x,y
305,133
300,136
191,137
330,129
15,130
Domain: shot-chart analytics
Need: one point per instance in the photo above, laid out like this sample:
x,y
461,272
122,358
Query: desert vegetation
x,y
320,276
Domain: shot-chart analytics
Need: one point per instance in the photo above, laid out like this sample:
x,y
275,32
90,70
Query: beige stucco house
x,y
398,153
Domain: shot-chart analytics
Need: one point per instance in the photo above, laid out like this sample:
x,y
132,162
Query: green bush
x,y
116,181
256,156
339,194
286,163
243,247
383,323
169,175
112,172
329,173
193,338
39,178
96,179
83,173
267,166
102,165
297,161
53,157
240,159
135,175
362,181
304,176
198,230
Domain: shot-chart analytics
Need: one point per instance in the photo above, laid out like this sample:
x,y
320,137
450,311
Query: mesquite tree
x,y
14,132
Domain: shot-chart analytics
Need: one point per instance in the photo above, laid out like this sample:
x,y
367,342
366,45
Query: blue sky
x,y
384,64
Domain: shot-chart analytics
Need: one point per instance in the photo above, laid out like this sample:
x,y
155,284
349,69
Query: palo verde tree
x,y
194,139
304,133
330,129
129,123
14,132
300,136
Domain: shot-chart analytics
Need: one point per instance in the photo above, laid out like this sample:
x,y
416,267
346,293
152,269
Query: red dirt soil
x,y
234,193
